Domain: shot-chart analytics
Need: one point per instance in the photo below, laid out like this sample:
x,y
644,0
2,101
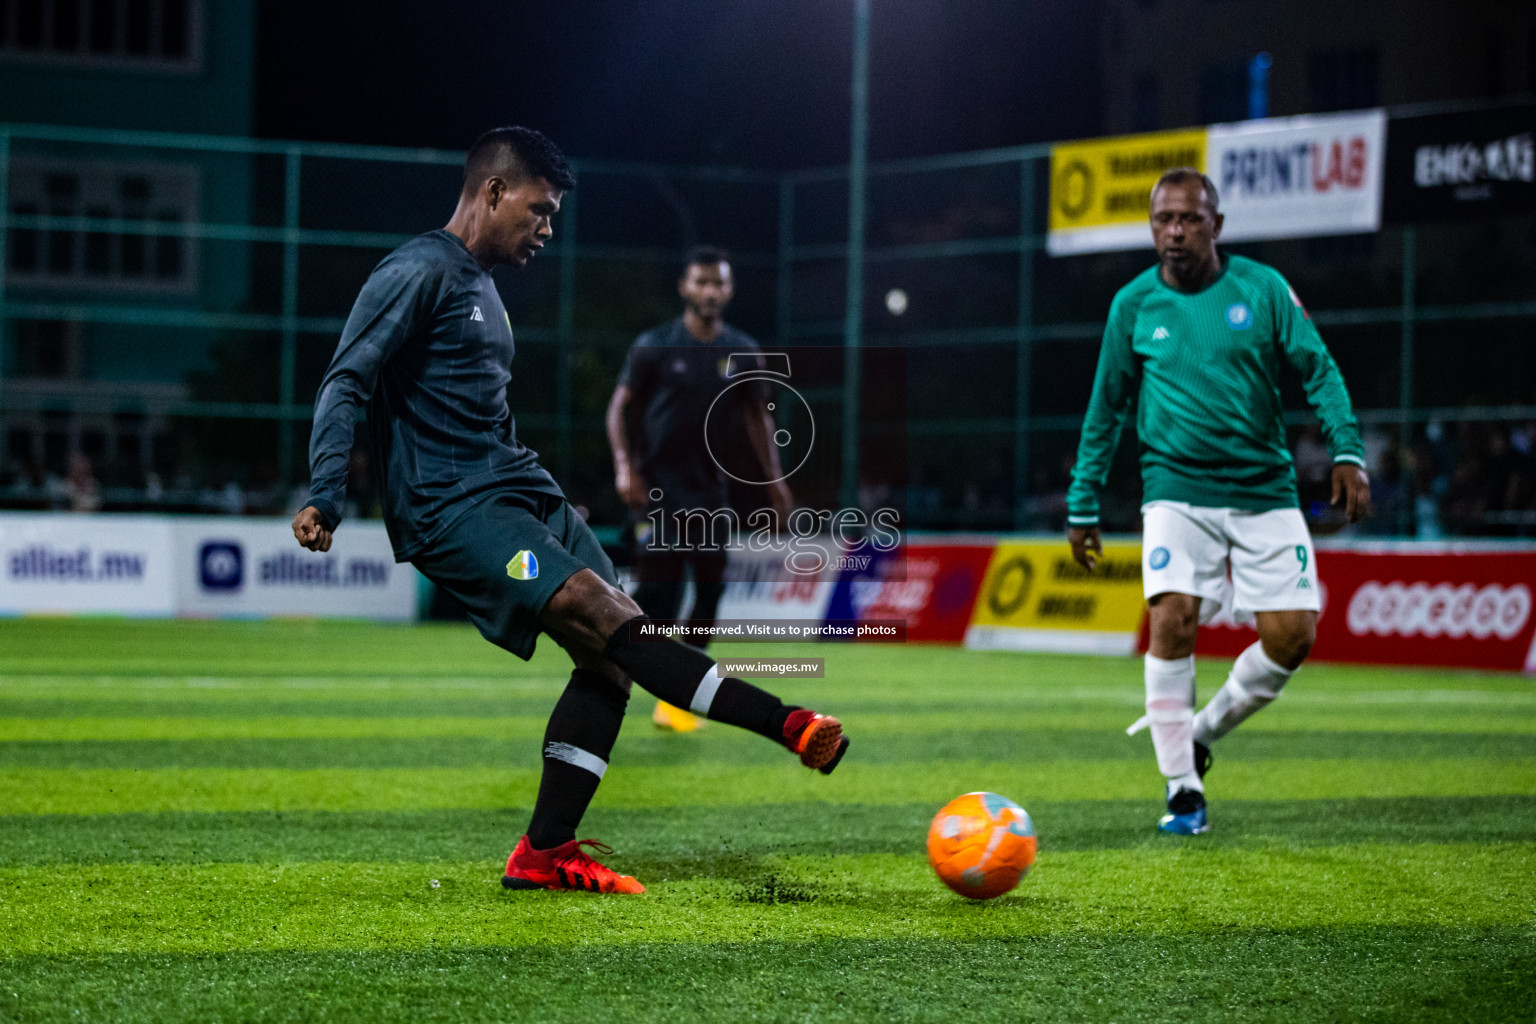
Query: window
x,y
1224,92
157,34
1343,79
47,349
121,229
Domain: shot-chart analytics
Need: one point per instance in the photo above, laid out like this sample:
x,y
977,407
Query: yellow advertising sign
x,y
1101,189
1035,597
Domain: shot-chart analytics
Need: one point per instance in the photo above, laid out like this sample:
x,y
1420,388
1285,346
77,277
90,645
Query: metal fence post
x,y
565,338
1406,481
786,257
853,312
1024,341
288,358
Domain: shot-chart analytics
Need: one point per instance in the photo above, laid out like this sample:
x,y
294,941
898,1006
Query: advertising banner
x,y
757,586
1291,177
237,567
935,596
1101,189
59,563
1398,604
1036,598
1475,164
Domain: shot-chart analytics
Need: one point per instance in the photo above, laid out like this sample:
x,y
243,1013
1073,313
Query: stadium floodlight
x,y
896,301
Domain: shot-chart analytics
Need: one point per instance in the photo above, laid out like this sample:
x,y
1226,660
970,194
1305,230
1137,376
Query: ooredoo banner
x,y
1403,605
237,567
1036,598
60,563
1292,177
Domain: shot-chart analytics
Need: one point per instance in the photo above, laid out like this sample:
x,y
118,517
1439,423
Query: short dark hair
x,y
705,256
1179,175
519,155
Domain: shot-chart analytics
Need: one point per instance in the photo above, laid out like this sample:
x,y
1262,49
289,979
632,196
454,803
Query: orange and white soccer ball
x,y
981,844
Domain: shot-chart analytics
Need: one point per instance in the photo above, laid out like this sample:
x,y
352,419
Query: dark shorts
x,y
504,562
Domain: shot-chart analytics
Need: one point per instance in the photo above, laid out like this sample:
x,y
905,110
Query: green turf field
x,y
302,822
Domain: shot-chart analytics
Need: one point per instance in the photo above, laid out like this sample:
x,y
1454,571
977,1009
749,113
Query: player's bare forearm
x,y
613,421
1353,485
1086,545
626,482
310,531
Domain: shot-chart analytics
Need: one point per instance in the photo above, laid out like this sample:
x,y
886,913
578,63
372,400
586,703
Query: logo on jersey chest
x,y
680,367
1239,316
1160,334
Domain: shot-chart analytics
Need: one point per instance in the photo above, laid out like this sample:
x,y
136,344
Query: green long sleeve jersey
x,y
1203,370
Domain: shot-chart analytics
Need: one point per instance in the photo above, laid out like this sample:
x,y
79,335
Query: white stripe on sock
x,y
704,696
576,756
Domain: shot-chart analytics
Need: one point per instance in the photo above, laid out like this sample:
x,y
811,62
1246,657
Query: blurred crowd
x,y
87,485
1466,479
1461,479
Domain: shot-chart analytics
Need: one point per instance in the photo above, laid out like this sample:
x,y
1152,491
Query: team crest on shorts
x,y
1239,316
524,566
1159,558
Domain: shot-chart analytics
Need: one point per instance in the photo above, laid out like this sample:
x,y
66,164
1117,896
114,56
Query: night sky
x,y
761,83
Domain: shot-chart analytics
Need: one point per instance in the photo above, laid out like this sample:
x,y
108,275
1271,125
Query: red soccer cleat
x,y
818,739
567,866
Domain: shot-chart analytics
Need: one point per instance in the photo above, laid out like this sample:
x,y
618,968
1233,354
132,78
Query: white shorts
x,y
1187,549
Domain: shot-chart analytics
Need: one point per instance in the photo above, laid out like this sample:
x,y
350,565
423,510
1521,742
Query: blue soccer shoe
x,y
1186,814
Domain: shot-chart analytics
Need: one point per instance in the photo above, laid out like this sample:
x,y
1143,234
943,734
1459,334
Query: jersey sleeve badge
x,y
1296,299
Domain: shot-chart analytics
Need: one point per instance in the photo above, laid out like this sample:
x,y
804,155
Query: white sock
x,y
1255,681
1170,714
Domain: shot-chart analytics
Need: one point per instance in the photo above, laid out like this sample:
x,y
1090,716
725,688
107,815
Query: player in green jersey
x,y
1196,343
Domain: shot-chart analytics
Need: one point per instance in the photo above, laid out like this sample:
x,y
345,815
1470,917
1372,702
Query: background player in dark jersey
x,y
672,378
428,351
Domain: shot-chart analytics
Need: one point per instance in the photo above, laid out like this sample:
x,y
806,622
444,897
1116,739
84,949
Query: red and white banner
x,y
1399,604
937,594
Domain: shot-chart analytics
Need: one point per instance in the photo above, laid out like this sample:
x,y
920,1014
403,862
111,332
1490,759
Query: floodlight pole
x,y
853,315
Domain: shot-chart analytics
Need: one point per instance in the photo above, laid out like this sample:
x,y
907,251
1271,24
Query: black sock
x,y
673,672
580,737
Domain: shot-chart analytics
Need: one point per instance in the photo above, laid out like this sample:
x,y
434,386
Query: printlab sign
x,y
1298,176
1476,164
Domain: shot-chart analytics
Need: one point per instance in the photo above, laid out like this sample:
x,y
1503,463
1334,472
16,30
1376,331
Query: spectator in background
x,y
81,488
1314,470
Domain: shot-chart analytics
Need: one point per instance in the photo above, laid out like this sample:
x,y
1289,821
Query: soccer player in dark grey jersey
x,y
1196,344
677,378
427,351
